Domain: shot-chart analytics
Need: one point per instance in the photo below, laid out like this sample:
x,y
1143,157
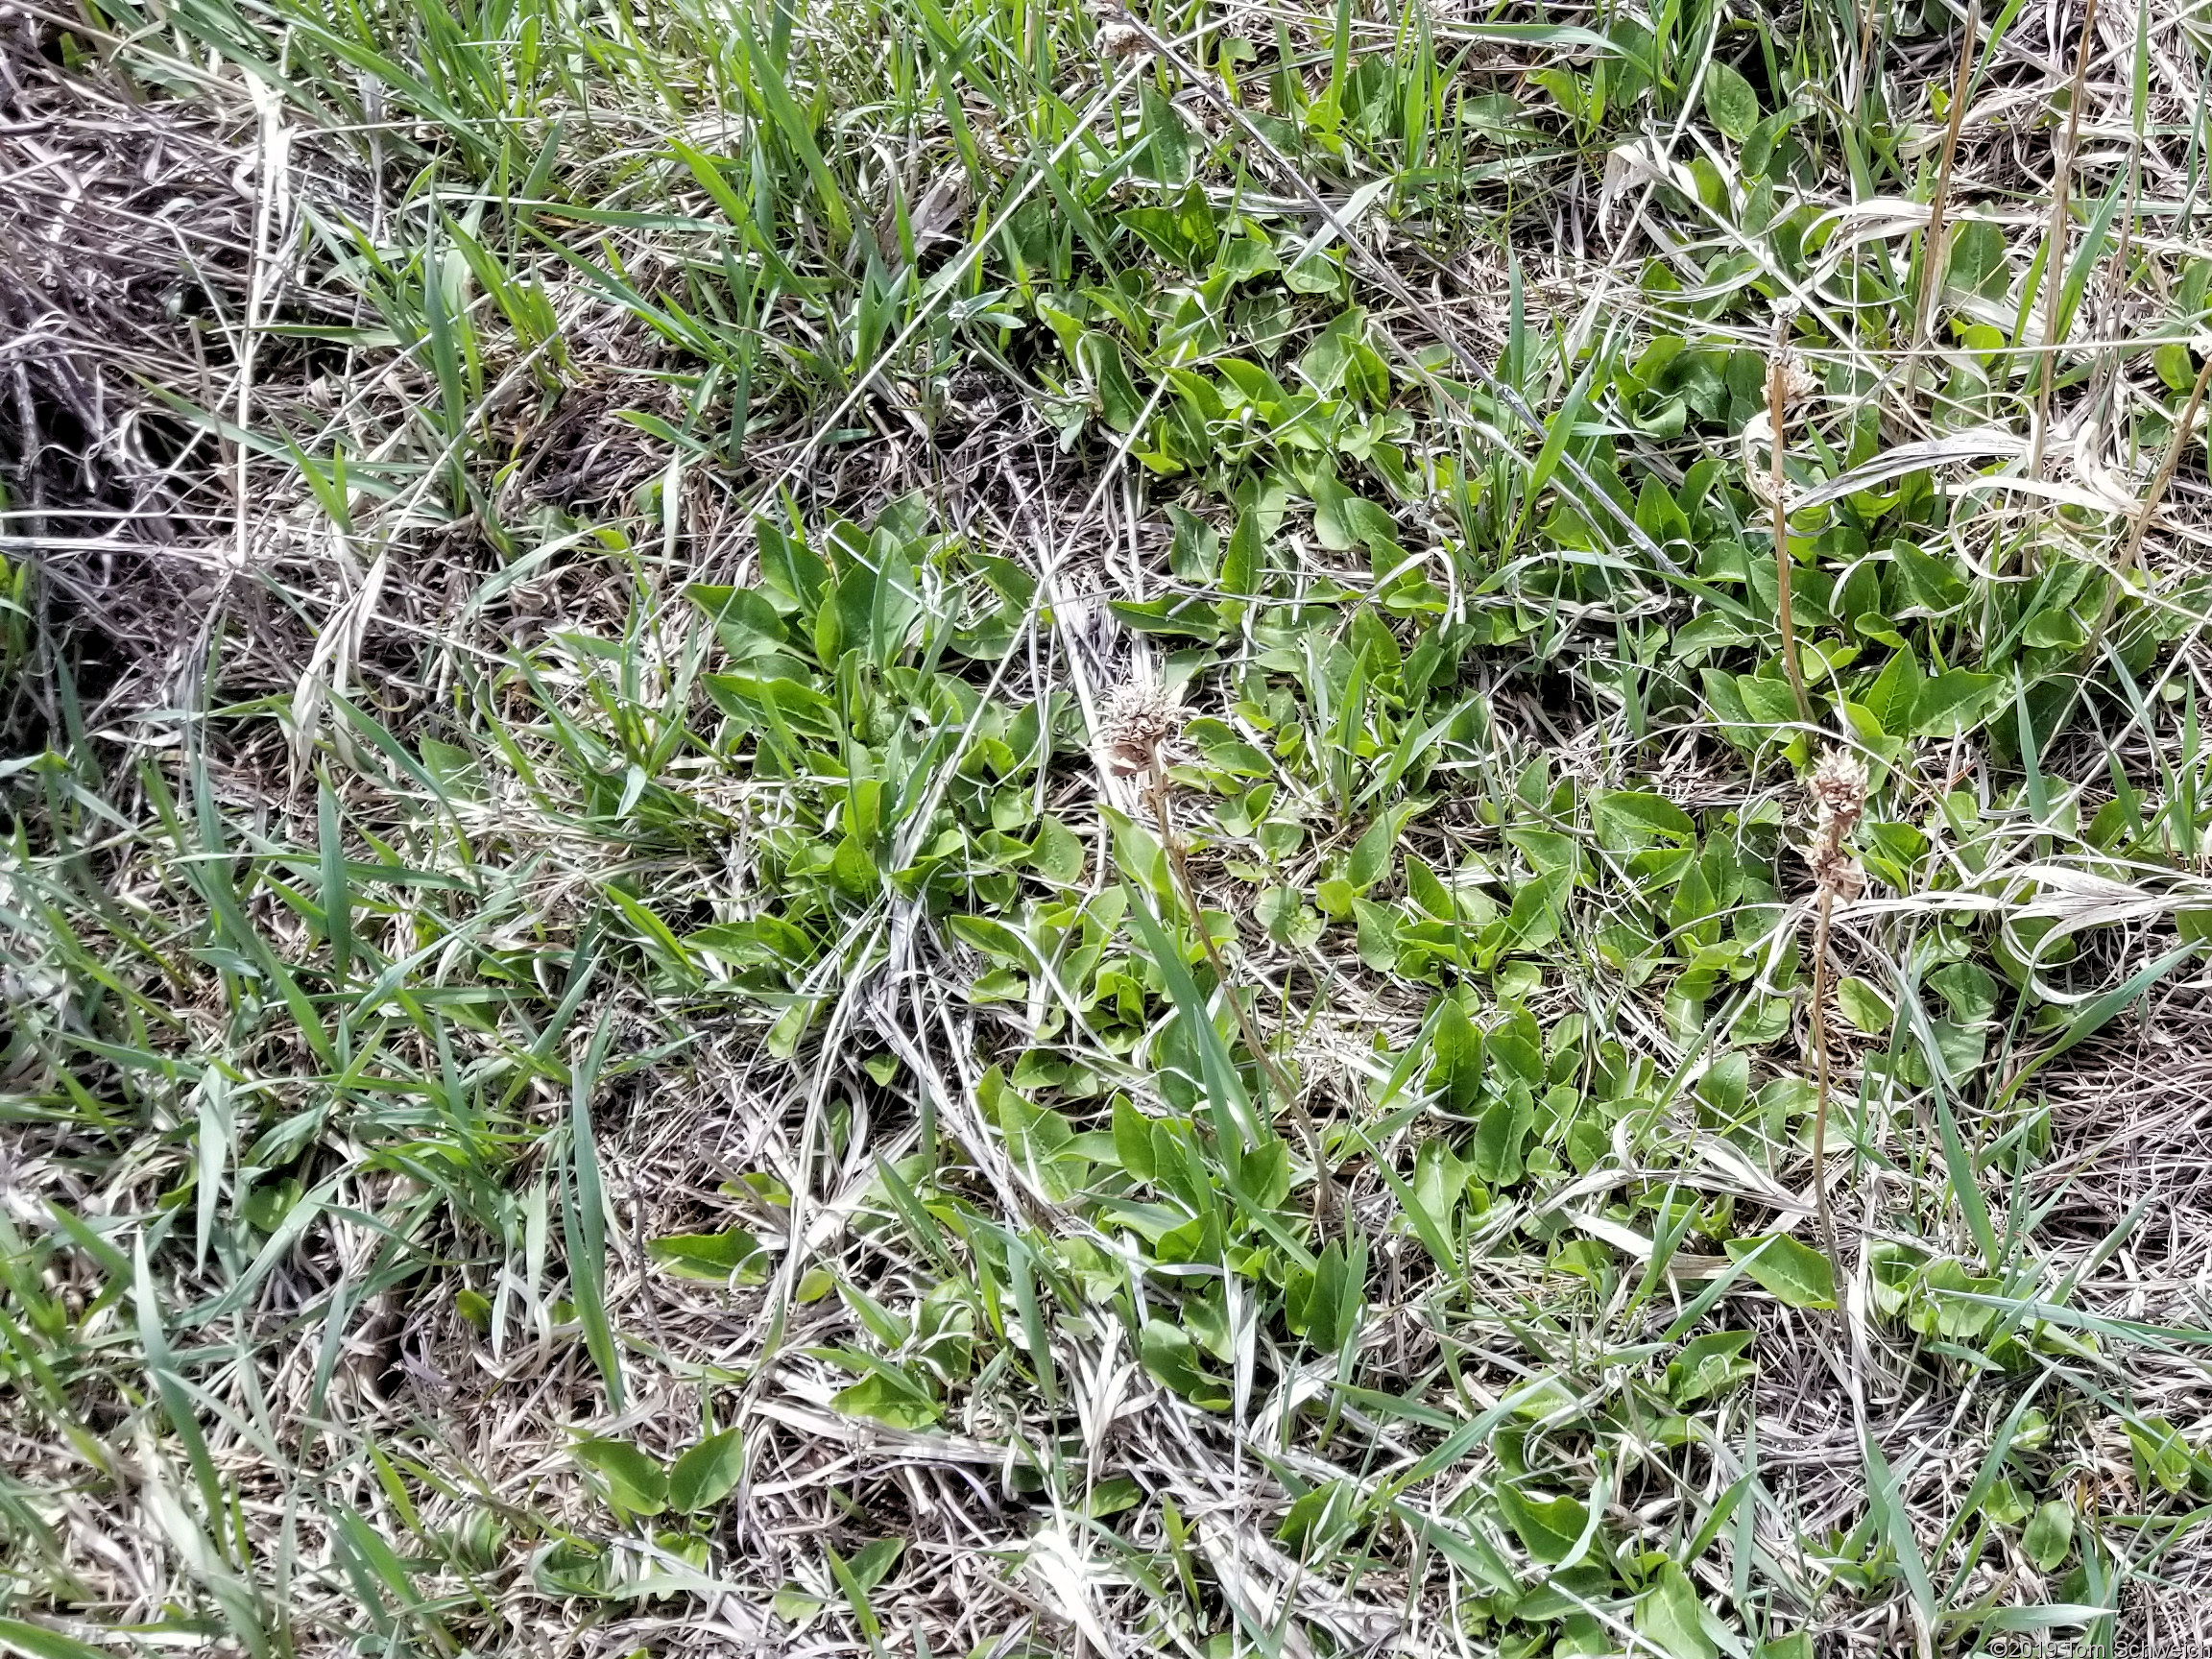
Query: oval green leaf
x,y
703,1476
711,1257
1798,1275
634,1481
1548,1528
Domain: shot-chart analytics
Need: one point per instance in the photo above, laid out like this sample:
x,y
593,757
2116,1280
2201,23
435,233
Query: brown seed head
x,y
1836,872
1838,786
1136,721
1120,41
1798,381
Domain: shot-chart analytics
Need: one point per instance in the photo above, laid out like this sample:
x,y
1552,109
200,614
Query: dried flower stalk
x,y
1932,242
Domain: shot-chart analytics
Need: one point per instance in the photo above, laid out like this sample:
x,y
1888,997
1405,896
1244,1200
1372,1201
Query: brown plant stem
x,y
1931,243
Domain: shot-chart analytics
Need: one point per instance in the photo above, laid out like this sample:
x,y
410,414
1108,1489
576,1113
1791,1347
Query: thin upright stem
x,y
1932,244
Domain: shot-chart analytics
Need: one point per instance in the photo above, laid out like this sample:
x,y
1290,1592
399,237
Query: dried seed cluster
x,y
1137,720
1838,789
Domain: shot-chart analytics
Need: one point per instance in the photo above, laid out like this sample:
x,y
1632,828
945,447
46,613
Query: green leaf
x,y
1796,1274
1113,1496
703,1476
2050,1534
774,703
1241,567
571,1566
36,1641
1276,909
1343,520
1730,102
711,1257
1101,362
1373,852
2001,1501
1968,990
1953,702
890,1396
794,1606
1324,1305
472,1306
1517,1051
1188,617
790,566
1038,1139
764,942
2057,627
1133,1139
1931,586
1708,1365
2161,1455
1895,690
634,1482
1759,147
1500,1136
1629,819
1058,855
1429,891
746,620
1667,1614
1458,1049
1170,1356
1768,702
1377,934
1863,1005
872,1564
1164,230
1548,1528
1439,1180
854,870
1325,362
